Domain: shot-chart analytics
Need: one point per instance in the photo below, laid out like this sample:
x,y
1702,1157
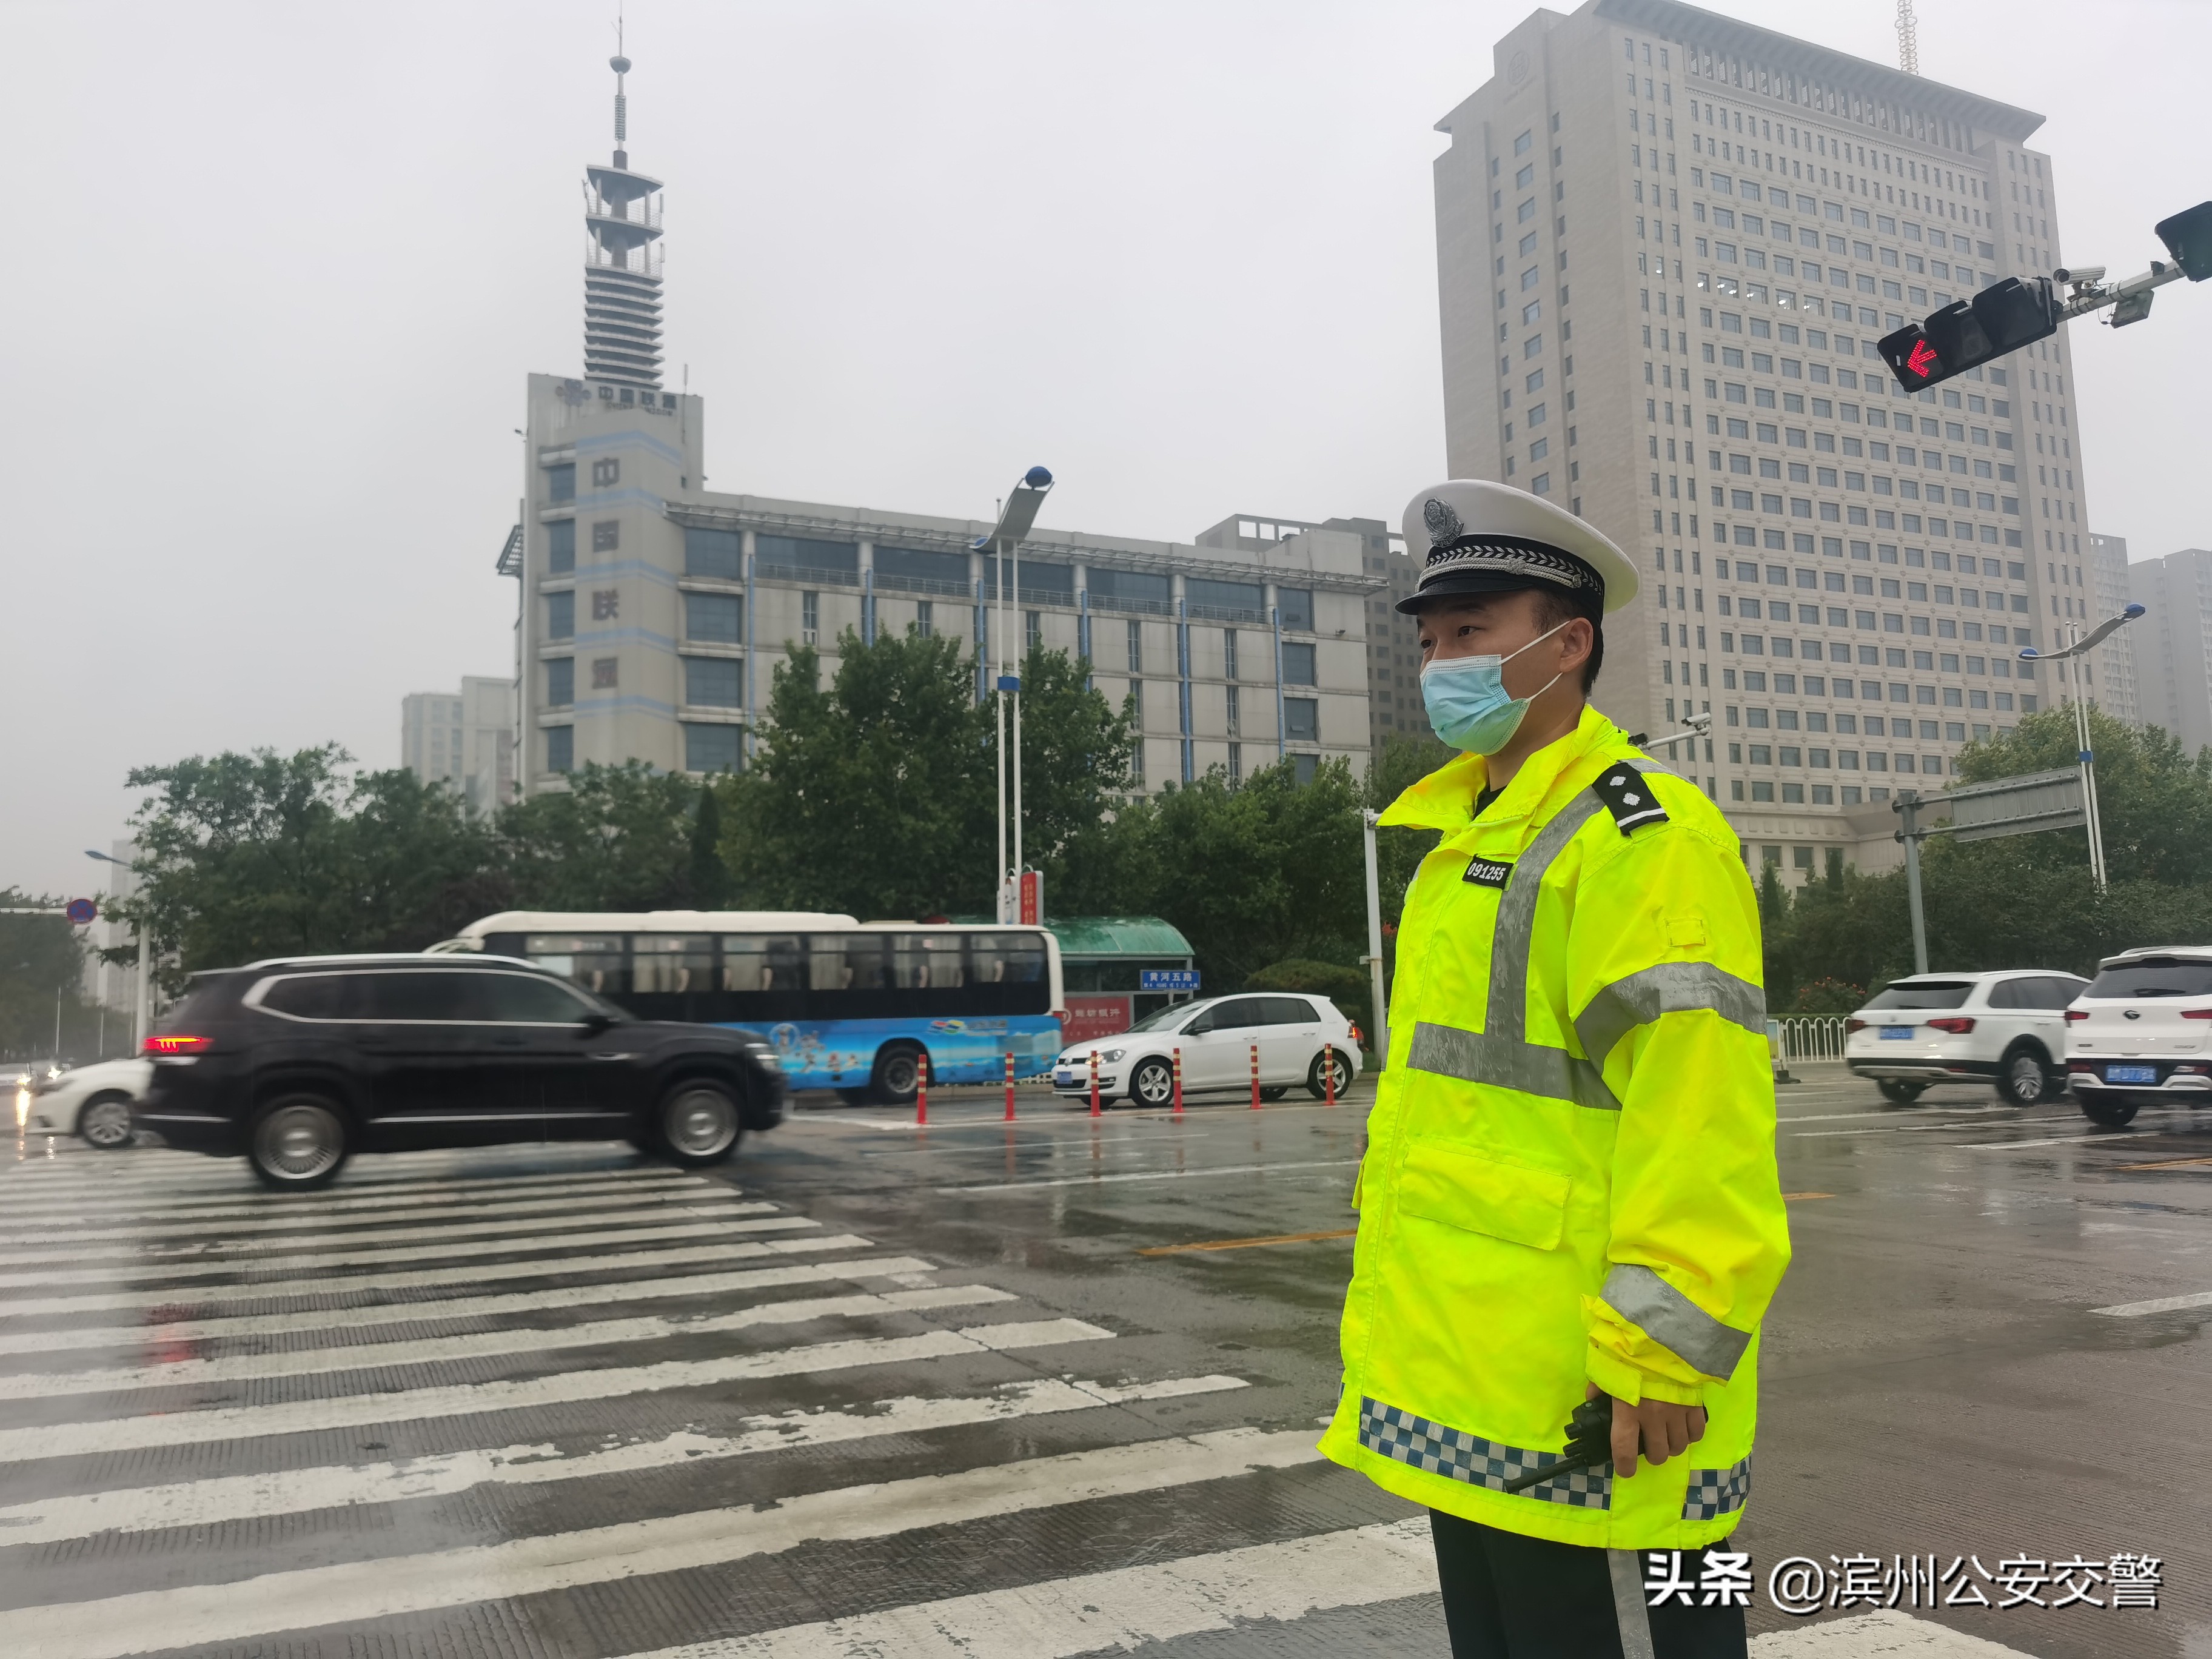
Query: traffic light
x,y
1968,332
2188,238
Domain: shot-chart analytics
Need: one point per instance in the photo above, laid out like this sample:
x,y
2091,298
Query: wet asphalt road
x,y
972,1390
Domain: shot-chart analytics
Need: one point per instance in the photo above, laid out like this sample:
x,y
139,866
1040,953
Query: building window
x,y
924,618
560,748
560,682
1137,705
711,748
1136,647
1303,767
1302,719
560,547
716,553
1298,664
716,617
606,535
606,474
561,483
606,673
713,683
1229,655
1236,762
1033,629
809,617
1296,604
1137,759
561,615
1235,713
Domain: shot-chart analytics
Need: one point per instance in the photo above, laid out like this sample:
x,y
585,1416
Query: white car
x,y
2138,1034
93,1102
1296,1037
2007,1028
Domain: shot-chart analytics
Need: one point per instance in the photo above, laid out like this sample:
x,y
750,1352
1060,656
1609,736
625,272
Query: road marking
x,y
1897,1112
2156,1304
1890,1129
1155,1175
225,1423
483,1344
127,1272
448,1310
1792,1198
2169,1164
1112,1612
2055,1140
376,1230
93,1229
354,1592
231,1184
1249,1243
290,1491
1892,1635
174,1303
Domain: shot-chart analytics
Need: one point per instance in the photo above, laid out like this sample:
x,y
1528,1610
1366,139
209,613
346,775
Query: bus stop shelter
x,y
1102,957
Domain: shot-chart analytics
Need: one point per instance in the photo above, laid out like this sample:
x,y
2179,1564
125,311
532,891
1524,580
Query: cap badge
x,y
1443,522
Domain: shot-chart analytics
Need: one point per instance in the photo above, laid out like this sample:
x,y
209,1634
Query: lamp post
x,y
2079,645
1003,542
141,1005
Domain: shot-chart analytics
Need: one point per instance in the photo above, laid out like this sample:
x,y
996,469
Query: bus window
x,y
598,962
1008,972
753,963
828,973
868,962
671,964
941,959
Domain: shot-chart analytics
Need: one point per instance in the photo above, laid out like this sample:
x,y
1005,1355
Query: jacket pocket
x,y
1481,1195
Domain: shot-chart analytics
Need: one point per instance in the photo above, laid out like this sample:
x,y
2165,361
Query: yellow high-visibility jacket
x,y
1570,1174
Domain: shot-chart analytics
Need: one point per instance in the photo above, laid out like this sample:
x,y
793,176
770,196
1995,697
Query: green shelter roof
x,y
1111,937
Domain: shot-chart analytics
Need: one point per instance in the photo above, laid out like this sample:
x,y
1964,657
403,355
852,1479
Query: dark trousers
x,y
1508,1596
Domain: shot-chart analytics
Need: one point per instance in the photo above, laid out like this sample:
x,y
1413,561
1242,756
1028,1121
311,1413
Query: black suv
x,y
299,1063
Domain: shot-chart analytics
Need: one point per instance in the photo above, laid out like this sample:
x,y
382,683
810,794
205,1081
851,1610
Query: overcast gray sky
x,y
278,271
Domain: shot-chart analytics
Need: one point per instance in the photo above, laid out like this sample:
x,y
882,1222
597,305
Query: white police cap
x,y
1476,537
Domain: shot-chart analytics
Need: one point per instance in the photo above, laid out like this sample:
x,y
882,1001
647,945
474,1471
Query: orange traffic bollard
x,y
1010,1088
1255,1077
921,1093
1094,1083
1328,1074
1177,1068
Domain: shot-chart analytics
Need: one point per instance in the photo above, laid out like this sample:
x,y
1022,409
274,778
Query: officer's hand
x,y
1659,1428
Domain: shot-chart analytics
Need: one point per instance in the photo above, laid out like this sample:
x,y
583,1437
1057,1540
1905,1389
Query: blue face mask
x,y
1467,703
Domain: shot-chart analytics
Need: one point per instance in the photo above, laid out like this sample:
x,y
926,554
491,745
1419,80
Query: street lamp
x,y
1016,518
141,1006
2080,644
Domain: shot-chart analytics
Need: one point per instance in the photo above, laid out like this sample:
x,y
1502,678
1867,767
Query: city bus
x,y
850,1005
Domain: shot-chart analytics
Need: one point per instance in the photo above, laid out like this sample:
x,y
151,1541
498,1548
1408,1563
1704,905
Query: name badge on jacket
x,y
1488,872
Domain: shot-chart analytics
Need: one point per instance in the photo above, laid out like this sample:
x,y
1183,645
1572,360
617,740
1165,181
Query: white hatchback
x,y
2007,1028
93,1102
2138,1035
1293,1038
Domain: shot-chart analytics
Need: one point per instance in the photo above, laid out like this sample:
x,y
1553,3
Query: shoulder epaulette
x,y
1628,797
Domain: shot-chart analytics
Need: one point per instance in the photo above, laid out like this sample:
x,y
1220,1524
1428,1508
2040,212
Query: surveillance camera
x,y
2081,275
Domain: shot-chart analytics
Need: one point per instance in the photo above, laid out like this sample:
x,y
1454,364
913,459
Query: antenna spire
x,y
1908,39
621,270
620,64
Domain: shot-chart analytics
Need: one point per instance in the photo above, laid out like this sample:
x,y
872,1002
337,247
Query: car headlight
x,y
1112,1054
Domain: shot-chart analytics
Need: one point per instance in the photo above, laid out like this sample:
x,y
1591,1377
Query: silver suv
x,y
2007,1028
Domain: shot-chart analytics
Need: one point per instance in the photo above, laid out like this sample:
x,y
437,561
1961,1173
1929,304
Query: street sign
x,y
1031,902
1167,979
83,912
2016,806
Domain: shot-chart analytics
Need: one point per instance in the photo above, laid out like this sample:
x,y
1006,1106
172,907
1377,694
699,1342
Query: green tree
x,y
618,838
1403,761
709,879
41,962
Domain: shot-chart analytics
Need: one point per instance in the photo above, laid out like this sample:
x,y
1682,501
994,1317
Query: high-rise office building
x,y
654,612
2172,643
1667,244
464,740
2111,680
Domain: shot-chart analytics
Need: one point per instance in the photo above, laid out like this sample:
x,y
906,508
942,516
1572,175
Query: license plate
x,y
2131,1074
1063,1079
1896,1033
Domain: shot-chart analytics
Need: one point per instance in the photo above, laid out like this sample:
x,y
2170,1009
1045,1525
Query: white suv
x,y
1294,1037
2008,1028
2138,1034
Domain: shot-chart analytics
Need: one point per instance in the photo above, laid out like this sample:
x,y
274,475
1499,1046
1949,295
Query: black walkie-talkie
x,y
1589,1442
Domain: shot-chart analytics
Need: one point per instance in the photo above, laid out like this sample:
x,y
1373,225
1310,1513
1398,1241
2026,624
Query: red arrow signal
x,y
1921,360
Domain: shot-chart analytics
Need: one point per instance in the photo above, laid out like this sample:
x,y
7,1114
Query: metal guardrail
x,y
807,575
1817,1037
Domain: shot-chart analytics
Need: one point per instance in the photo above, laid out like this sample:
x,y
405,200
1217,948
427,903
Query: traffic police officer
x,y
1570,1186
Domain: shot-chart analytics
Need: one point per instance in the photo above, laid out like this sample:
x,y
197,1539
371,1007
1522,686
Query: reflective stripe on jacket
x,y
1570,1174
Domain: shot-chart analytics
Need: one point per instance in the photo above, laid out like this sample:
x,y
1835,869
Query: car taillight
x,y
1851,1026
2196,1013
2073,1014
177,1045
1954,1024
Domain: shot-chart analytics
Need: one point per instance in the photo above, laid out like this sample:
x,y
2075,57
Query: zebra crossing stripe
x,y
181,1172
351,1594
176,1304
1113,1611
444,1250
447,1309
227,1498
236,1196
219,1424
95,1230
380,1231
484,1344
